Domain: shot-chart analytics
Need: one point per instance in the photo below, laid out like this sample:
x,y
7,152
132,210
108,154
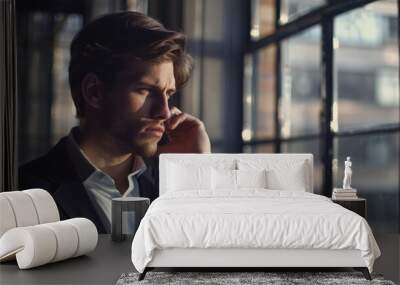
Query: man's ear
x,y
92,89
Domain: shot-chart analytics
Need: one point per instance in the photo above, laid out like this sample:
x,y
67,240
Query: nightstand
x,y
358,206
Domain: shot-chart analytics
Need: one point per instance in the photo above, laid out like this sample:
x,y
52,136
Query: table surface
x,y
104,265
110,259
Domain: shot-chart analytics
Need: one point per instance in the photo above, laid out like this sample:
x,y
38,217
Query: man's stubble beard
x,y
145,150
128,136
136,145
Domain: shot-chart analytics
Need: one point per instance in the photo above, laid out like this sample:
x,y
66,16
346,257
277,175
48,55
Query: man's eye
x,y
143,91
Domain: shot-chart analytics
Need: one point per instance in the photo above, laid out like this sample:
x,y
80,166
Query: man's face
x,y
136,108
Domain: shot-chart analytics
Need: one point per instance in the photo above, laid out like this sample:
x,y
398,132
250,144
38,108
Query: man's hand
x,y
187,134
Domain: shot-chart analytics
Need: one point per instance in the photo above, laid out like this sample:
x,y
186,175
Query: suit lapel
x,y
148,181
69,192
75,202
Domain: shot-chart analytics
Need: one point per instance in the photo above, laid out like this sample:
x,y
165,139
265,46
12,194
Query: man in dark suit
x,y
124,68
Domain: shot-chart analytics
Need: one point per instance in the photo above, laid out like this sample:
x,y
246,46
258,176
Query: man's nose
x,y
161,109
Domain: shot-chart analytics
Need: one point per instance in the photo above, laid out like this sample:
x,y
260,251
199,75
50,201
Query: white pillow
x,y
181,177
251,178
293,180
223,179
228,179
281,174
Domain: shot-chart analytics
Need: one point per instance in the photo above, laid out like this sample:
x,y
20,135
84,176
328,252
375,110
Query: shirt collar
x,y
83,165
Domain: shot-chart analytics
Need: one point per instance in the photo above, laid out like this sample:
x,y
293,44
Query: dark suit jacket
x,y
55,173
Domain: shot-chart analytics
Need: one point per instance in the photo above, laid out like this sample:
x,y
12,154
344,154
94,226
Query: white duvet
x,y
252,218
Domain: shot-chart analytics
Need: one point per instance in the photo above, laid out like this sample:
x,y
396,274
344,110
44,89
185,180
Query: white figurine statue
x,y
347,174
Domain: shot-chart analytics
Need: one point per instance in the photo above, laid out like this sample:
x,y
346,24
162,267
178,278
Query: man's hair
x,y
104,46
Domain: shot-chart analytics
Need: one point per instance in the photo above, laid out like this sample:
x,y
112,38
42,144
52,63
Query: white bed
x,y
268,218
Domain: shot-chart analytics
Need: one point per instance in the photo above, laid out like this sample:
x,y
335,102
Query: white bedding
x,y
250,218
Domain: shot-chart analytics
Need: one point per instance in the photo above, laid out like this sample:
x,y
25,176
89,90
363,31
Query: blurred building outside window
x,y
262,18
292,9
301,84
366,92
259,97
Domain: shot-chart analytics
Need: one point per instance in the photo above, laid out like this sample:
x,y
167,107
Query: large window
x,y
322,77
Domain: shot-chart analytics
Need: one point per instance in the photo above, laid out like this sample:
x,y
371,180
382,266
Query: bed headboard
x,y
230,160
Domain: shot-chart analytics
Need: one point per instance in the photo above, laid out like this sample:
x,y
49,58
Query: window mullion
x,y
278,81
327,101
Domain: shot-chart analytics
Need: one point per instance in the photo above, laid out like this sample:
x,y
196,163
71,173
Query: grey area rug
x,y
230,278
